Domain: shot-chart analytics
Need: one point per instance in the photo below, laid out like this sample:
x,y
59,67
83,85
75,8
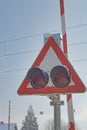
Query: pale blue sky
x,y
22,25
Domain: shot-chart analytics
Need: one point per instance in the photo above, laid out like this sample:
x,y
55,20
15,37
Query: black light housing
x,y
60,76
38,78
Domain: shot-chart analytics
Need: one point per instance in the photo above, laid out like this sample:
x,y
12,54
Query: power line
x,y
38,34
79,60
18,53
21,38
77,26
22,69
14,70
34,35
37,50
78,43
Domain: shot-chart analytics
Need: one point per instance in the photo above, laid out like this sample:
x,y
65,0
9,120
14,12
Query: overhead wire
x,y
18,53
38,34
78,43
21,38
26,68
35,35
13,70
37,50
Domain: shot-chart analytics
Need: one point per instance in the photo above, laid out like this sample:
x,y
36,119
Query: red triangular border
x,y
77,88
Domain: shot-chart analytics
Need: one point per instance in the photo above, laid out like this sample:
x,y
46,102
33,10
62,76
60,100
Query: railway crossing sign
x,y
51,73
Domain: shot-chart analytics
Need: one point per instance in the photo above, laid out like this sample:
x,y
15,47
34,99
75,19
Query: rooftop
x,y
4,126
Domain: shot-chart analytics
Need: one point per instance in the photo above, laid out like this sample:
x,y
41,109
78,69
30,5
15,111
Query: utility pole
x,y
9,115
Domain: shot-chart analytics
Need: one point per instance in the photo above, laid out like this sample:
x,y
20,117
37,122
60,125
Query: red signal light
x,y
38,78
60,76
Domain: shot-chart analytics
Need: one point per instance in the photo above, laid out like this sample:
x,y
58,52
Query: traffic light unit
x,y
60,76
38,78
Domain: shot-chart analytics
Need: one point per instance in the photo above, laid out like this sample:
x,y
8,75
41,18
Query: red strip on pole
x,y
69,96
63,27
70,112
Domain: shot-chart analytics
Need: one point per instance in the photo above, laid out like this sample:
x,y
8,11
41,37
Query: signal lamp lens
x,y
60,76
38,78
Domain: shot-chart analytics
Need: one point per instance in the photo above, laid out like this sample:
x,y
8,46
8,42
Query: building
x,y
4,126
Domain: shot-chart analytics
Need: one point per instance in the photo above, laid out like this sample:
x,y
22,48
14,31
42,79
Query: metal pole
x,y
57,111
9,116
65,48
57,117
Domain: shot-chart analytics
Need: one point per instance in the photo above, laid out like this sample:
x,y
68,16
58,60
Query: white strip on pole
x,y
69,96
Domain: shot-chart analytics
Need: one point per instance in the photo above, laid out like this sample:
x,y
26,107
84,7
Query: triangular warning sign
x,y
51,55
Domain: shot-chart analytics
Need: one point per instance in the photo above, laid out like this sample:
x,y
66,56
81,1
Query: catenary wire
x,y
38,34
34,35
18,53
23,69
37,50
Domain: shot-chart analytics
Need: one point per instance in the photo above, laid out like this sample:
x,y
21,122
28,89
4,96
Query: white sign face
x,y
50,56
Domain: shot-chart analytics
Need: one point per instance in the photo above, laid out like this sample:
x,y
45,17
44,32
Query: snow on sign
x,y
51,73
